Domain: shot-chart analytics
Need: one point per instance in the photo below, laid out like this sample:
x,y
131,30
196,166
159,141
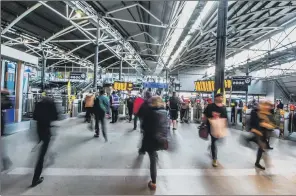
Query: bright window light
x,y
183,20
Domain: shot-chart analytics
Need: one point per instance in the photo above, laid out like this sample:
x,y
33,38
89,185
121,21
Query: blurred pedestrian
x,y
44,120
130,104
155,127
89,103
137,105
215,117
114,103
101,105
261,127
174,105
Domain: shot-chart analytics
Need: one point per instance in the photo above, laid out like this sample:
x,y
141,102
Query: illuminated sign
x,y
209,85
123,86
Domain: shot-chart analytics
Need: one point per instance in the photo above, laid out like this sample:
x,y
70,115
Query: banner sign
x,y
209,85
238,83
77,76
123,86
154,85
241,83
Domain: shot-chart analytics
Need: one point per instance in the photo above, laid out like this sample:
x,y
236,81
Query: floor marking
x,y
160,172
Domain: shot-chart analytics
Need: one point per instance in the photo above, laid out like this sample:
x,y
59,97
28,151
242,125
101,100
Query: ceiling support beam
x,y
28,11
135,22
145,43
145,33
77,48
62,32
137,4
106,59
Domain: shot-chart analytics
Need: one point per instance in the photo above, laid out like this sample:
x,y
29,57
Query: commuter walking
x,y
114,102
215,115
137,105
261,124
89,103
174,105
155,129
44,120
130,105
101,105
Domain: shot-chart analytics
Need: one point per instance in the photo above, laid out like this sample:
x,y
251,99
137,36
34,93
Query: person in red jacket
x,y
137,104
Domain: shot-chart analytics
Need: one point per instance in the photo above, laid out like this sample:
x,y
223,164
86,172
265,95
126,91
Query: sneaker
x,y
215,163
259,166
96,135
35,183
152,186
174,129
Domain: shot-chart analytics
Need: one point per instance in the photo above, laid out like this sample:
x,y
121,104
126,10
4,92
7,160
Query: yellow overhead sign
x,y
123,86
209,85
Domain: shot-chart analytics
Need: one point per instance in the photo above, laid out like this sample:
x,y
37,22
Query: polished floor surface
x,y
78,164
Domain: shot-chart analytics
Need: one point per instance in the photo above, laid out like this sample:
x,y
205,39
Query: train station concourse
x,y
148,97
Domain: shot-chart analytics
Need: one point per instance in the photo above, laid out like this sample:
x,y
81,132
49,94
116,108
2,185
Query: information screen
x,y
209,85
123,86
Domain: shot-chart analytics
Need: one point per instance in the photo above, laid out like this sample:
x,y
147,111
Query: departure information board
x,y
123,86
209,85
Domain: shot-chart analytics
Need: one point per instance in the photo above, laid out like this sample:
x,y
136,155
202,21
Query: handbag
x,y
218,127
203,131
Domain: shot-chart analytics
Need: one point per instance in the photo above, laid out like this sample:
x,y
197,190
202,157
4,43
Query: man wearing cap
x,y
214,111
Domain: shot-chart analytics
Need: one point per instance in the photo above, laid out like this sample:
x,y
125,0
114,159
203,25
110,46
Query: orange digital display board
x,y
209,85
123,86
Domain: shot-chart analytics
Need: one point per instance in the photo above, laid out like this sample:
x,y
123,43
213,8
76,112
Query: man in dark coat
x,y
44,120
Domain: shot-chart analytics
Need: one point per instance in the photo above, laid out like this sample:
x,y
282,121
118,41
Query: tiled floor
x,y
88,166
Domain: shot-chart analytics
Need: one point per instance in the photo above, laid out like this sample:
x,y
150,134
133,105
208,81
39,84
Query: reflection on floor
x,y
79,164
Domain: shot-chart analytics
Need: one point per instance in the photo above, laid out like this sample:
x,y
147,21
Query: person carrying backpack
x,y
101,105
155,127
174,107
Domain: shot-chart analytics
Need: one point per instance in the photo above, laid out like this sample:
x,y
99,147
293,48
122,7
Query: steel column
x,y
96,57
120,70
247,92
221,46
43,73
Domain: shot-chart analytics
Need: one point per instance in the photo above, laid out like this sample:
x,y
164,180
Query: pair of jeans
x,y
88,114
100,117
114,114
182,113
214,149
130,113
153,156
45,139
136,122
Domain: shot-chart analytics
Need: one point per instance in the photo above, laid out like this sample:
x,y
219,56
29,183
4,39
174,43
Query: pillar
x,y
247,92
120,70
221,45
19,92
43,73
96,56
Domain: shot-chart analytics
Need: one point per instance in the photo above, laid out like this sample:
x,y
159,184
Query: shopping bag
x,y
218,127
203,132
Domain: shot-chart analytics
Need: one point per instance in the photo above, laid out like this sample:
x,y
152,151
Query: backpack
x,y
98,105
162,129
174,103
